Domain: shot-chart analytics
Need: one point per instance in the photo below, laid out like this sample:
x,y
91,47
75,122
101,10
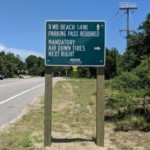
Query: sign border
x,y
78,21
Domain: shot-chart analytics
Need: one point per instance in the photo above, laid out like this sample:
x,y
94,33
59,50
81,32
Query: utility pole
x,y
127,7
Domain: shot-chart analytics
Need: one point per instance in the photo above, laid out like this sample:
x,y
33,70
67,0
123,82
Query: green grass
x,y
25,132
78,105
73,109
74,104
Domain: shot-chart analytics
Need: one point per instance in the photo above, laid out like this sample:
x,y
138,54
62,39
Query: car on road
x,y
1,76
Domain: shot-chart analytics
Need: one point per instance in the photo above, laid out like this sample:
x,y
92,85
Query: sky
x,y
22,22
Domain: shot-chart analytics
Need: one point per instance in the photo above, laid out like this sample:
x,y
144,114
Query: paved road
x,y
16,94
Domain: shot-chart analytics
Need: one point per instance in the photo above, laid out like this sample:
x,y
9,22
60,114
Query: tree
x,y
9,64
41,66
111,63
35,65
32,64
139,46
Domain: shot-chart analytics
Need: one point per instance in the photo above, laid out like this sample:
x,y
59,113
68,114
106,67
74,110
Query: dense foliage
x,y
130,98
35,65
12,65
138,48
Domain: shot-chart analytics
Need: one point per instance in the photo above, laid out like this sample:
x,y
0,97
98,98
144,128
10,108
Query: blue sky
x,y
22,22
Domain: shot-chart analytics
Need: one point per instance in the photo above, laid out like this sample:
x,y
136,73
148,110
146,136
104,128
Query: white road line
x,y
9,99
18,81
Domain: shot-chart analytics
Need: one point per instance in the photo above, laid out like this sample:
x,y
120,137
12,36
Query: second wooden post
x,y
100,108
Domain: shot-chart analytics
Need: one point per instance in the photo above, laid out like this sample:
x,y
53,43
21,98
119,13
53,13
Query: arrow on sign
x,y
97,48
98,27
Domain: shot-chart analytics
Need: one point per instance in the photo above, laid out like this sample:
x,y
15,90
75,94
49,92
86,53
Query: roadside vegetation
x,y
12,65
130,88
73,122
129,100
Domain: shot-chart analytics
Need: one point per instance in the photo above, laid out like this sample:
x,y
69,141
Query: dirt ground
x,y
72,141
132,140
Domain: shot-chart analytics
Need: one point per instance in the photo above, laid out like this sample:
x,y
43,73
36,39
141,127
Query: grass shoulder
x,y
73,122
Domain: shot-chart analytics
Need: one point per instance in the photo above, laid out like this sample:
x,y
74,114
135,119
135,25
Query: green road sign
x,y
75,43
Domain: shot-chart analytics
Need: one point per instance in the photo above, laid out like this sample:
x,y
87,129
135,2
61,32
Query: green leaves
x,y
9,64
138,48
131,97
35,65
111,63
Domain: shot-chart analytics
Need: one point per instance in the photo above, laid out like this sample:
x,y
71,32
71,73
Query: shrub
x,y
133,123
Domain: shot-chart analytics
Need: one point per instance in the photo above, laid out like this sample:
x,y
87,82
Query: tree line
x,y
12,65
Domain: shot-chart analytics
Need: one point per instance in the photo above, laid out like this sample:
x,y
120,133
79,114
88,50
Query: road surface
x,y
16,94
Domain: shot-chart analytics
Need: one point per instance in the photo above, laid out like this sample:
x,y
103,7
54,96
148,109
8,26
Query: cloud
x,y
23,53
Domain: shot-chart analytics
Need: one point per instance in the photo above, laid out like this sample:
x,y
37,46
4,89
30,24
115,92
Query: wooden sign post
x,y
100,108
48,106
